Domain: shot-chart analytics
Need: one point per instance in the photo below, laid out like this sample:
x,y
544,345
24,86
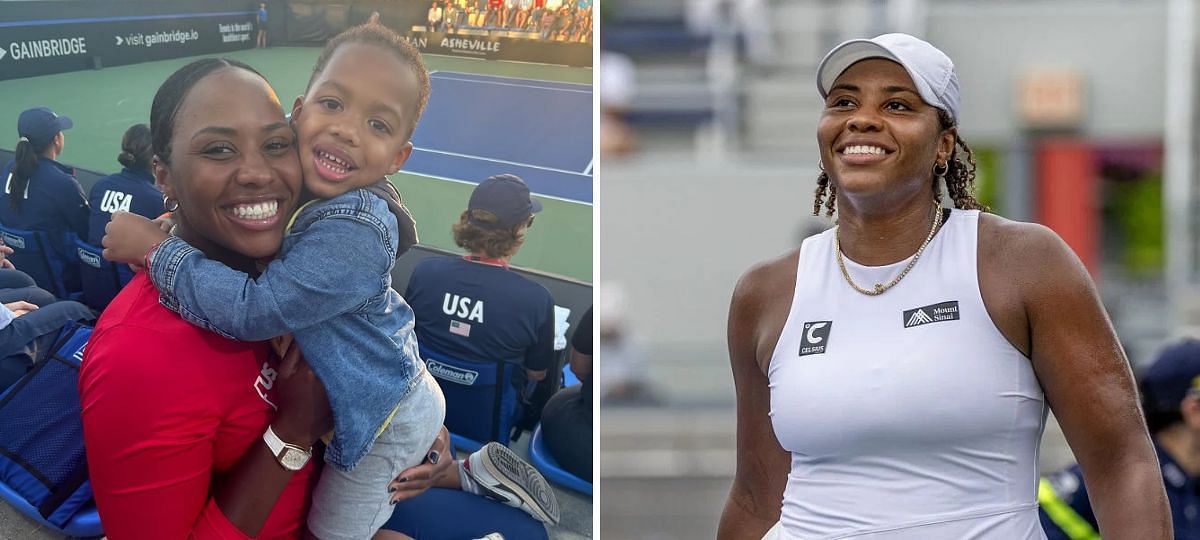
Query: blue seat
x,y
33,255
483,399
101,279
569,377
540,458
86,523
463,443
43,471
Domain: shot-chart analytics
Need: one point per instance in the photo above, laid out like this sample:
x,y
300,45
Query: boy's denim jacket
x,y
330,285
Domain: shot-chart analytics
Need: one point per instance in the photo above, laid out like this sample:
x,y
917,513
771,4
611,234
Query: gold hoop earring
x,y
170,204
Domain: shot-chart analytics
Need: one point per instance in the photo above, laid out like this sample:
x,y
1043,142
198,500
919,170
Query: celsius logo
x,y
815,338
945,311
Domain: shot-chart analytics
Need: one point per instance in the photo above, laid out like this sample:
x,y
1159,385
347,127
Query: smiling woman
x,y
905,102
220,172
229,169
174,415
902,390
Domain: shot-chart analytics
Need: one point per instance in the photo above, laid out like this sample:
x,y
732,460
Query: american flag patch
x,y
460,328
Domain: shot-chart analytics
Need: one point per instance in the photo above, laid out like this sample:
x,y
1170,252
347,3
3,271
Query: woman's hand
x,y
128,238
304,414
414,481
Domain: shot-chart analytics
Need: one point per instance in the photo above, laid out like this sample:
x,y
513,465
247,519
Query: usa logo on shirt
x,y
815,337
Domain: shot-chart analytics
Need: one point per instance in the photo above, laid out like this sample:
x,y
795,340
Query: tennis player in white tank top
x,y
901,388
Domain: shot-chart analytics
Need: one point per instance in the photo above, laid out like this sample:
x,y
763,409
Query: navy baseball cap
x,y
40,125
1173,374
506,196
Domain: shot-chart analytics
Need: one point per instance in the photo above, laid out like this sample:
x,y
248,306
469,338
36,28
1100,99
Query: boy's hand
x,y
128,238
165,223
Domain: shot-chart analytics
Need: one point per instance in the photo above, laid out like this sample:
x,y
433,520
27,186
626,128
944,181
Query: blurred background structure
x,y
1082,115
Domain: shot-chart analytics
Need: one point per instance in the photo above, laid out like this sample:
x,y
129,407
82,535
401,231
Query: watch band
x,y
289,456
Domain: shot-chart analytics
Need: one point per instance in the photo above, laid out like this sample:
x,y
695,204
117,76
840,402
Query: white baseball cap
x,y
931,70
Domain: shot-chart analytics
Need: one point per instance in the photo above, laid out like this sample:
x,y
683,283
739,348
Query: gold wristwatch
x,y
290,456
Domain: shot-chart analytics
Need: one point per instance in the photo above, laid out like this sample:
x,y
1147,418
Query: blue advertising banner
x,y
44,46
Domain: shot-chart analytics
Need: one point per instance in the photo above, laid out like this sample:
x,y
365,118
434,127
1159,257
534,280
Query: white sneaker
x,y
492,536
504,476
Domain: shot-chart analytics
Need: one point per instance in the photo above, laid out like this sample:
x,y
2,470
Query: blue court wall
x,y
569,293
45,37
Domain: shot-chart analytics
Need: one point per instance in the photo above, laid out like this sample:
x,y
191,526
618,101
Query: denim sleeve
x,y
336,266
541,356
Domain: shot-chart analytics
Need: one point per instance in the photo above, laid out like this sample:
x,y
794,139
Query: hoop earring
x,y
170,204
821,165
940,181
941,175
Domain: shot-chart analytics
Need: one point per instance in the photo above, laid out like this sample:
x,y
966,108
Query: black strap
x,y
404,220
59,494
502,383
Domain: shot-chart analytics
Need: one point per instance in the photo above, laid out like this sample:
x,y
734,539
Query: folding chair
x,y
540,458
101,279
483,399
43,468
33,255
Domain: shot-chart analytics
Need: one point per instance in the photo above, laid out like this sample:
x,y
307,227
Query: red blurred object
x,y
1068,196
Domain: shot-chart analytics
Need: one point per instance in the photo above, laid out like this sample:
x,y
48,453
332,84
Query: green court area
x,y
103,103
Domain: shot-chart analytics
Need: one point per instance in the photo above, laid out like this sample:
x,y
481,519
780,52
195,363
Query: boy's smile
x,y
354,123
333,164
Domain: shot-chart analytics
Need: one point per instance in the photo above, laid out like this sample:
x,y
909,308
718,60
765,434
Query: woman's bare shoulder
x,y
1008,241
1024,265
764,279
759,309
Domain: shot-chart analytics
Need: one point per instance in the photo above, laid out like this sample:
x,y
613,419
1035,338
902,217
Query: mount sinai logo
x,y
945,311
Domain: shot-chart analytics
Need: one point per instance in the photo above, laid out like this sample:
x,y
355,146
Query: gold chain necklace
x,y
879,287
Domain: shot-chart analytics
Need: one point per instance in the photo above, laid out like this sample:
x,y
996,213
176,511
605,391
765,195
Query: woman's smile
x,y
258,215
863,154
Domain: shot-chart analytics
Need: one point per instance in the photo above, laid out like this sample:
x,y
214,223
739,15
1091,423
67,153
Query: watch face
x,y
293,459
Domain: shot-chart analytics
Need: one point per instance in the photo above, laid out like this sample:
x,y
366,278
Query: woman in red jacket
x,y
180,423
190,435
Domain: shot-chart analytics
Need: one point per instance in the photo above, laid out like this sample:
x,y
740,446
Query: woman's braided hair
x,y
960,178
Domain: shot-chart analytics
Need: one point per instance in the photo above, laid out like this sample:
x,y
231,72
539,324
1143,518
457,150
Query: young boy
x,y
330,284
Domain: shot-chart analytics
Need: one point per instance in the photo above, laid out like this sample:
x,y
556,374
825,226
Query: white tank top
x,y
908,415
